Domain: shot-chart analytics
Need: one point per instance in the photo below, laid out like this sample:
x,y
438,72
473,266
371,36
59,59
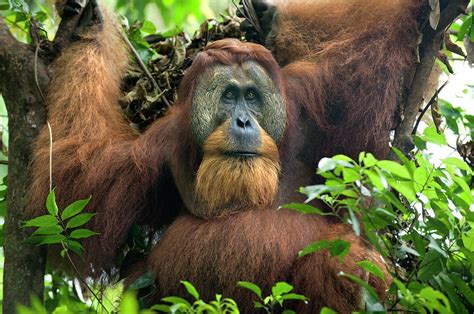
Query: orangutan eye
x,y
229,94
251,95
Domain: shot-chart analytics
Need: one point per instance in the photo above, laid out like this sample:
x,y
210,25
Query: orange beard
x,y
226,184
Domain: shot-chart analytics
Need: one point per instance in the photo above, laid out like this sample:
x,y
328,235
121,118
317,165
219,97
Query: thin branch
x,y
430,103
144,69
429,47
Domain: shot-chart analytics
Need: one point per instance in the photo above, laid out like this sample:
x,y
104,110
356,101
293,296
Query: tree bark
x,y
24,263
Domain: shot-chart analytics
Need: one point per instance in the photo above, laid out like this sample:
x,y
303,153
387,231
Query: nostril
x,y
243,122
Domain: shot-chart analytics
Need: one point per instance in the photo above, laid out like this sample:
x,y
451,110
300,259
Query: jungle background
x,y
423,222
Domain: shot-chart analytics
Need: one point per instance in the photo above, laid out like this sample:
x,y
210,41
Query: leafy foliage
x,y
61,227
417,214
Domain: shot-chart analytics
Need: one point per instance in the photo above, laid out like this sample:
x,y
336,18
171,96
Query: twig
x,y
144,68
430,103
50,156
36,74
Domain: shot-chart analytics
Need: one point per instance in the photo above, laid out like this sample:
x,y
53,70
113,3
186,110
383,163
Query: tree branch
x,y
429,47
24,263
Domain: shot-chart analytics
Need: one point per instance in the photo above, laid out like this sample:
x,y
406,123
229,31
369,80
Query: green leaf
x,y
176,300
339,248
42,221
403,187
143,281
191,289
458,163
326,310
468,239
281,288
369,289
129,304
52,239
161,307
394,168
51,205
433,298
75,246
304,208
294,296
464,29
350,175
74,208
430,134
79,220
250,286
314,247
372,268
148,28
82,233
56,229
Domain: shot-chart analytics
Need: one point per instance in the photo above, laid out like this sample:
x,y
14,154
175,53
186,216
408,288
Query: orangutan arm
x,y
95,151
344,62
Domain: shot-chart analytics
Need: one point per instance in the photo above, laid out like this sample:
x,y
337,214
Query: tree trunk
x,y
24,263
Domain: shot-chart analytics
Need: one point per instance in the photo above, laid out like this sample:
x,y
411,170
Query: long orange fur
x,y
344,63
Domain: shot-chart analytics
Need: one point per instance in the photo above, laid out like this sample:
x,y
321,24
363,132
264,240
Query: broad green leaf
x,y
281,288
468,239
458,163
42,221
250,286
326,164
143,281
75,246
372,268
431,265
315,191
433,298
326,310
314,247
55,229
79,220
362,283
294,296
466,194
129,304
406,162
176,300
374,179
51,205
148,28
82,233
464,29
394,168
304,208
403,187
464,287
369,160
52,239
191,289
74,208
339,248
430,134
350,175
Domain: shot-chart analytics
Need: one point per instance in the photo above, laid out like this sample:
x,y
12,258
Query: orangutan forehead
x,y
246,73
